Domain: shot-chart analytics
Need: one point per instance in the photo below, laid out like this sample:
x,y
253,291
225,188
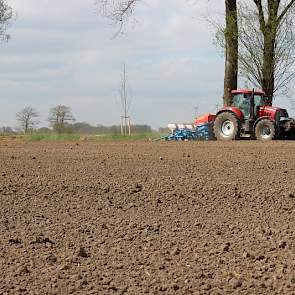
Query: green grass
x,y
102,138
52,137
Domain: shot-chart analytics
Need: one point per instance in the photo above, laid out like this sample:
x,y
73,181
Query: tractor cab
x,y
243,98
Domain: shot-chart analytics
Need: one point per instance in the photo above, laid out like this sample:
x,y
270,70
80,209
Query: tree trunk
x,y
26,125
268,80
269,55
231,51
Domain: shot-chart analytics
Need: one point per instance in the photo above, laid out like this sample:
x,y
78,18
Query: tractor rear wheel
x,y
226,126
265,130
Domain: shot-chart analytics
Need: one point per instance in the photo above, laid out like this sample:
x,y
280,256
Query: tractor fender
x,y
262,118
235,111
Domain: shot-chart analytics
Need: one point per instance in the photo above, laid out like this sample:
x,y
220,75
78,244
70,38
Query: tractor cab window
x,y
242,101
259,101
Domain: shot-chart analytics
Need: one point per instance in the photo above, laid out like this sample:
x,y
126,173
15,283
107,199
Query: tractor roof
x,y
247,91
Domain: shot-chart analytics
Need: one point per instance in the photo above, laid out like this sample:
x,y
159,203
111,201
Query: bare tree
x,y
27,119
252,52
269,67
276,32
59,116
6,16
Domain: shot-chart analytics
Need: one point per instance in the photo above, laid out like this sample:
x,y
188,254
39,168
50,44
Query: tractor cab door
x,y
259,101
242,101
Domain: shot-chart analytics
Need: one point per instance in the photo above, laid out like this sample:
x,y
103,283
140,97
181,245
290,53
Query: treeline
x,y
86,129
81,128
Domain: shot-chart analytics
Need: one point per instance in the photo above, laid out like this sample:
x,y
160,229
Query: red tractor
x,y
251,115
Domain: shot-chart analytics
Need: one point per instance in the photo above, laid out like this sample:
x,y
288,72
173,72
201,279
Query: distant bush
x,y
43,130
6,130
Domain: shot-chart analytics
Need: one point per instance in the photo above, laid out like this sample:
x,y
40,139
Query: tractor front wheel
x,y
226,126
265,130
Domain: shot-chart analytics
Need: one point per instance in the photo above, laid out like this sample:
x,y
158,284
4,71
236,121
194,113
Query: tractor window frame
x,y
242,101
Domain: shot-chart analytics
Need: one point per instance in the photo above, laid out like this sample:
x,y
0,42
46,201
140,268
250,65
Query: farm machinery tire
x,y
226,127
265,130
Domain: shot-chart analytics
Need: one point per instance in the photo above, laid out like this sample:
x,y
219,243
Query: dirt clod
x,y
22,270
52,258
206,287
282,244
175,251
42,240
245,254
82,252
225,248
15,241
235,283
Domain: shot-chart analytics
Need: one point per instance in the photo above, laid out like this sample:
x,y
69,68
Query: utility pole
x,y
217,107
125,119
196,109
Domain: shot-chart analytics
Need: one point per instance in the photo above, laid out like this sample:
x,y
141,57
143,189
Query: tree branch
x,y
286,9
258,3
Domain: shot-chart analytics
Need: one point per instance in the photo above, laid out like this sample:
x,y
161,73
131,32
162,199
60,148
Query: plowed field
x,y
147,218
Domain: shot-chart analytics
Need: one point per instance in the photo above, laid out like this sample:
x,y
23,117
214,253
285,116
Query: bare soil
x,y
147,218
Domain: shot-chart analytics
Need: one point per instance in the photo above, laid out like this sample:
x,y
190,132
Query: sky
x,y
66,54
